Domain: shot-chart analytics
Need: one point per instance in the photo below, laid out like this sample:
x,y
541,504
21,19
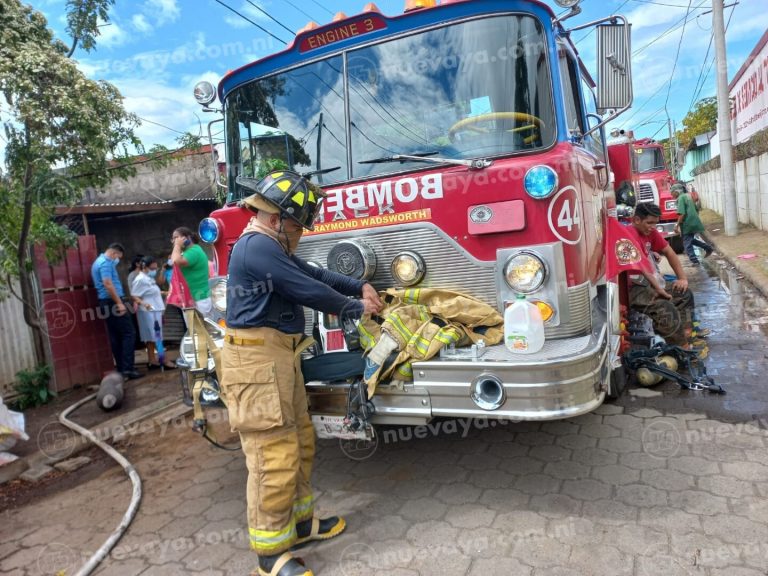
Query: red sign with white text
x,y
341,32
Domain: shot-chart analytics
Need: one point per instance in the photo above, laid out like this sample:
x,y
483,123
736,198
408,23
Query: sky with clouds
x,y
155,51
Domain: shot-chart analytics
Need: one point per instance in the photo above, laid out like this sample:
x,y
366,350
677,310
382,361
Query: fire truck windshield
x,y
476,89
648,160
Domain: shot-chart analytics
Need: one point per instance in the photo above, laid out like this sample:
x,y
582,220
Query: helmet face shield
x,y
293,195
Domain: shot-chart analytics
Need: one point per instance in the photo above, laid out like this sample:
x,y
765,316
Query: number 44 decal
x,y
565,219
564,215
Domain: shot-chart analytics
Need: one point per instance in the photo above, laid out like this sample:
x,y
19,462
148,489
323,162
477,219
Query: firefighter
x,y
262,381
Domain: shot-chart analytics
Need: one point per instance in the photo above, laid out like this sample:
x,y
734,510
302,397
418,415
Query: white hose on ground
x,y
118,532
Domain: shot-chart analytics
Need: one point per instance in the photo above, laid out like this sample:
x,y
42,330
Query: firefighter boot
x,y
281,565
319,529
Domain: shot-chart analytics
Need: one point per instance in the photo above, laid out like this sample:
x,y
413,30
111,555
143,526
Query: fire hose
x,y
133,507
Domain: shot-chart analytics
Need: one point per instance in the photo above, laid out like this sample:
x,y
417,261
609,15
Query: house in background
x,y
702,148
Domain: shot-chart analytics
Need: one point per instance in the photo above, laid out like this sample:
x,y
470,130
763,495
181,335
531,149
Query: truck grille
x,y
645,193
448,267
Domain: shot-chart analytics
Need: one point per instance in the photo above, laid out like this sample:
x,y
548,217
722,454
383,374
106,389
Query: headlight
x,y
205,93
525,272
208,230
670,205
219,295
408,268
540,181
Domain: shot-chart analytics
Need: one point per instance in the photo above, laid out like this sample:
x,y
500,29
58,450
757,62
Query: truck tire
x,y
676,242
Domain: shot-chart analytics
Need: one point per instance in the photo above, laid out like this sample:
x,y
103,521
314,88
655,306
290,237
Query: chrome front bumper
x,y
566,378
666,229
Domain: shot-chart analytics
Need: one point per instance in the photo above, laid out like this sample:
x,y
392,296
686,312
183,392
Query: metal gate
x,y
76,331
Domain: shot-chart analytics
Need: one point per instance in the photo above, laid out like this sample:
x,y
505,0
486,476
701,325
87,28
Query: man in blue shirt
x,y
113,308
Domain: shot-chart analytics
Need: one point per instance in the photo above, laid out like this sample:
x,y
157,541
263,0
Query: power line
x,y
701,72
268,15
161,125
593,27
299,9
660,3
671,29
251,21
647,100
677,55
323,7
711,63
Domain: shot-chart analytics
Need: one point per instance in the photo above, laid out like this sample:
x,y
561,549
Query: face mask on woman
x,y
152,273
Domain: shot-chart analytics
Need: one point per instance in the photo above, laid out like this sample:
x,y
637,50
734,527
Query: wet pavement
x,y
663,482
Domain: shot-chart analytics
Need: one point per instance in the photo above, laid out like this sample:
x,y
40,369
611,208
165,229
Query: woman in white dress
x,y
146,292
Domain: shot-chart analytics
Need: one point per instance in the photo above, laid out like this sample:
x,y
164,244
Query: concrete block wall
x,y
751,177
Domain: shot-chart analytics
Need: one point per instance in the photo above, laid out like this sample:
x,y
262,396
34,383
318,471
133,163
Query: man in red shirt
x,y
669,304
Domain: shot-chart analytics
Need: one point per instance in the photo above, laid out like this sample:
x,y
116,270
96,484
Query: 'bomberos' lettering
x,y
359,199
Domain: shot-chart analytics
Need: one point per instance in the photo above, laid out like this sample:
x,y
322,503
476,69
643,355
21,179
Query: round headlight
x,y
219,295
208,230
408,268
566,3
525,272
540,181
353,258
205,93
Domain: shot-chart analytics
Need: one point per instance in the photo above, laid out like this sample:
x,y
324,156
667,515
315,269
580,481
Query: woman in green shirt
x,y
189,257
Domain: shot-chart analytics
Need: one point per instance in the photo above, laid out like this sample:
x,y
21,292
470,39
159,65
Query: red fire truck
x,y
641,163
461,146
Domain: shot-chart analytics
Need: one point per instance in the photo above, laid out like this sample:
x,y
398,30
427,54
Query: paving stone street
x,y
664,482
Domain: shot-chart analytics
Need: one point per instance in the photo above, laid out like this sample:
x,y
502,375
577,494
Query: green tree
x,y
63,133
701,119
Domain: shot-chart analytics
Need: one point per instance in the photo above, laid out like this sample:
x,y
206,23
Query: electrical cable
x,y
701,72
647,100
323,7
268,15
712,62
593,27
669,30
251,21
299,9
161,125
660,3
133,507
677,56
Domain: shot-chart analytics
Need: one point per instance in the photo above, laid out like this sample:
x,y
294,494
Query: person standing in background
x,y
146,293
689,224
113,308
133,271
189,258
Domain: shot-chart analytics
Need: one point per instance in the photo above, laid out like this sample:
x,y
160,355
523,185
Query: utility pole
x,y
724,123
672,149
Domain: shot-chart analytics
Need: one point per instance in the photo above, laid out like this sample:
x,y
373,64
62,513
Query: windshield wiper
x,y
323,171
478,164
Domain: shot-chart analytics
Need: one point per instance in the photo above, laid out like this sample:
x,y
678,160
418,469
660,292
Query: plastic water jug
x,y
523,327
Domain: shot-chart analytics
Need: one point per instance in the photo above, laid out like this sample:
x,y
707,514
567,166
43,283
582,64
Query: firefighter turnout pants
x,y
264,391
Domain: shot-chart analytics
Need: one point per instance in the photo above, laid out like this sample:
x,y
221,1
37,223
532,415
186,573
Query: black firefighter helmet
x,y
286,193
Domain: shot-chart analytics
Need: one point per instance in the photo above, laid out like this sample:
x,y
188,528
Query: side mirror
x,y
614,70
